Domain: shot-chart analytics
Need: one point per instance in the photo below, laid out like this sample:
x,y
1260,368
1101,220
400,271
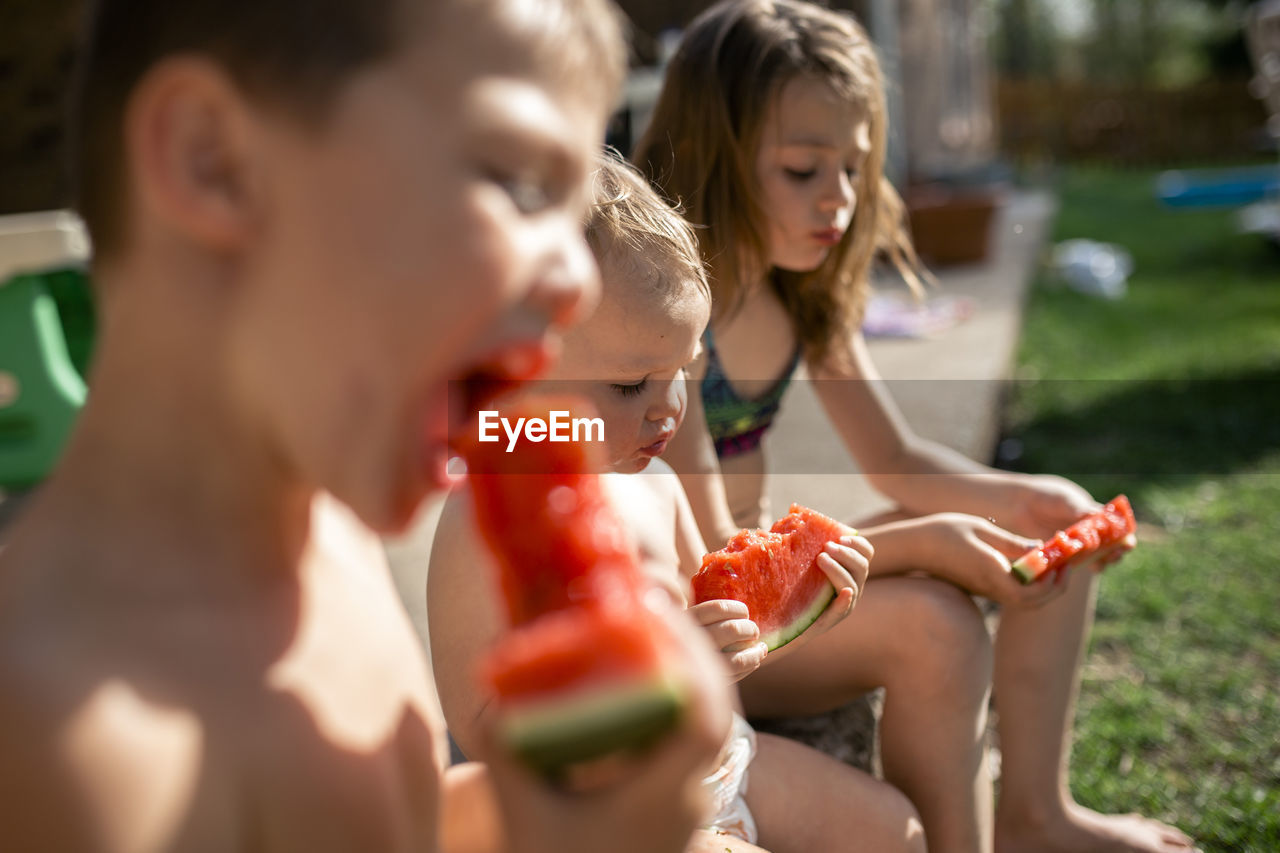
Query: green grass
x,y
1171,395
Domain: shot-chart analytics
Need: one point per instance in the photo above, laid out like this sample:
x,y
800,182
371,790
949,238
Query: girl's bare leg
x,y
926,643
804,801
1037,662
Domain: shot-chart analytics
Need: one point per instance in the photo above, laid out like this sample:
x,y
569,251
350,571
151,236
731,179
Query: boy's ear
x,y
188,134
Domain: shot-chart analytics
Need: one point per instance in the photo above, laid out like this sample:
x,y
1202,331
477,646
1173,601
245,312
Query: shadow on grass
x,y
1151,430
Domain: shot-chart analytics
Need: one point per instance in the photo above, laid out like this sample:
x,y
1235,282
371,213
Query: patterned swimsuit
x,y
738,425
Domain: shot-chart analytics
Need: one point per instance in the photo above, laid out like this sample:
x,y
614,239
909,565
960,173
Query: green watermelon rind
x,y
786,633
1025,570
555,732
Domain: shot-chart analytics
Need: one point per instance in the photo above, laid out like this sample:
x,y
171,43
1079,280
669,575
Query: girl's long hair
x,y
702,141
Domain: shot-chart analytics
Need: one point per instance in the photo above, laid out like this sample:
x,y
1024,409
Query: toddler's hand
x,y
845,563
728,624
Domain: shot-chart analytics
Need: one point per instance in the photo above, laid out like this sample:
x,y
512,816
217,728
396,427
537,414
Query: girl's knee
x,y
949,636
885,821
906,829
915,842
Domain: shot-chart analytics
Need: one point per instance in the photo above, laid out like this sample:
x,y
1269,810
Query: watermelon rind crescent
x,y
1031,565
786,633
558,731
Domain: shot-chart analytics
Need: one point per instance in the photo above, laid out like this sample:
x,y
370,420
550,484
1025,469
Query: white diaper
x,y
728,785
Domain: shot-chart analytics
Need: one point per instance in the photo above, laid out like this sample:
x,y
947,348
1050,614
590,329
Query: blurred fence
x,y
1128,125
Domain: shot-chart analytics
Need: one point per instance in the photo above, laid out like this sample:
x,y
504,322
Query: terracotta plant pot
x,y
952,225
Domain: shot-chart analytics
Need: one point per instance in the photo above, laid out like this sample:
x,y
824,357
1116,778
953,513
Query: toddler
x,y
628,359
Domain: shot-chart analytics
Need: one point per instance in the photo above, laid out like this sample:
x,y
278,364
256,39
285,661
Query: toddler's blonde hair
x,y
631,228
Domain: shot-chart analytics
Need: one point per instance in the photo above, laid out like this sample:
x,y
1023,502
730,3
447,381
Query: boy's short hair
x,y
293,51
632,227
293,54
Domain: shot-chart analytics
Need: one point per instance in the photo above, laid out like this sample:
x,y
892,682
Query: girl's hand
x,y
1042,504
975,554
1046,504
728,624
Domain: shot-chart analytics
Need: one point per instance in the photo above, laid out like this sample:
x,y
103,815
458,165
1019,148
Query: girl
x,y
771,131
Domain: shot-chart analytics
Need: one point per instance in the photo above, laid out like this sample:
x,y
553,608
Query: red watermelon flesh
x,y
582,673
1097,536
774,573
582,683
543,513
566,548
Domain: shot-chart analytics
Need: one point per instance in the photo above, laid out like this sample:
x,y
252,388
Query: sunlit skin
x,y
486,191
629,360
811,149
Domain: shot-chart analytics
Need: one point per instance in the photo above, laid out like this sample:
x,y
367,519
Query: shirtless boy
x,y
307,218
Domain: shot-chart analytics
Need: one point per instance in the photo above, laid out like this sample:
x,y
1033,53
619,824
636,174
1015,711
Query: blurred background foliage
x,y
1163,43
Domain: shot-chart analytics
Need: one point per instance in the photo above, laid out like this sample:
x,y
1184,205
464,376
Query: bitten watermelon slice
x,y
583,673
774,573
1094,537
581,683
544,515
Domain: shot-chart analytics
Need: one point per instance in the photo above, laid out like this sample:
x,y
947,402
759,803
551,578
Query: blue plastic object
x,y
1218,187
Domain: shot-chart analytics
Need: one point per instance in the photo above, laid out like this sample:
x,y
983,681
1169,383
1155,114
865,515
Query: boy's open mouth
x,y
494,376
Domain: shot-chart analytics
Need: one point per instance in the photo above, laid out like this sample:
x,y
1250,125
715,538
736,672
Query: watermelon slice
x,y
581,683
543,513
1098,536
774,573
583,673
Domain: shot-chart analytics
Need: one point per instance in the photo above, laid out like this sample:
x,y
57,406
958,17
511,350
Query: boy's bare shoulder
x,y
97,754
199,722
